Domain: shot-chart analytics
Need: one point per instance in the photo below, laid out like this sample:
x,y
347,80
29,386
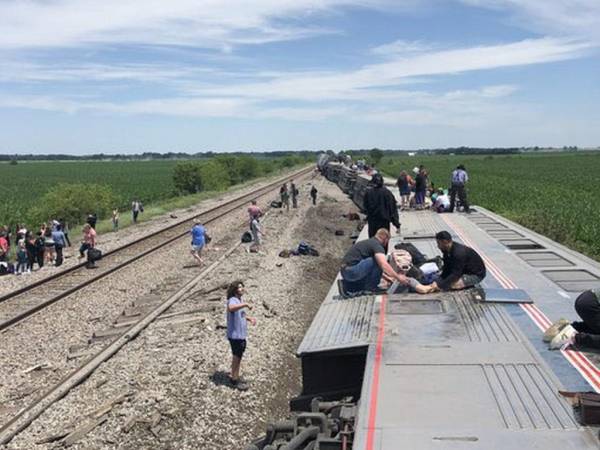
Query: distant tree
x,y
13,162
214,176
187,177
375,155
248,168
73,202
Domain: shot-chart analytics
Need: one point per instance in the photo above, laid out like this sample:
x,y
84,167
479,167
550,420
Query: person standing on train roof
x,y
420,188
366,262
463,267
404,183
380,206
584,333
459,180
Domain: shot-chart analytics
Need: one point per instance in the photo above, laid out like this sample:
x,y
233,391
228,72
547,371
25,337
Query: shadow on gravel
x,y
221,378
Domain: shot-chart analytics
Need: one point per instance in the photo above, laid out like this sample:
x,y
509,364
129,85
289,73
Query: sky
x,y
128,76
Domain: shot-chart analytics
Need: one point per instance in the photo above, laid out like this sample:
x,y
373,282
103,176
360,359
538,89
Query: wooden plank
x,y
81,431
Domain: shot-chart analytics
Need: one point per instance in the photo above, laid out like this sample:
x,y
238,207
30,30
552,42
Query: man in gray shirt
x,y
365,263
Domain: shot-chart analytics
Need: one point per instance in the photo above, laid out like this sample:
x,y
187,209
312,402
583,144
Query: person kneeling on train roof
x,y
582,334
365,263
463,267
380,206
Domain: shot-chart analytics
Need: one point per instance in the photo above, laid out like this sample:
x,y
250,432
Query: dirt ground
x,y
174,375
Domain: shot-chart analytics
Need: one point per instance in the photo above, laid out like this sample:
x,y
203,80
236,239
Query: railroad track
x,y
122,333
20,304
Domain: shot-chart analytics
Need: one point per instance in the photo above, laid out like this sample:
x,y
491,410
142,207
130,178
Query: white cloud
x,y
559,17
372,82
205,24
400,47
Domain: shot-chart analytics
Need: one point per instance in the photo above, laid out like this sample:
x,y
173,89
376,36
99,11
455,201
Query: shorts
x,y
470,280
238,347
197,248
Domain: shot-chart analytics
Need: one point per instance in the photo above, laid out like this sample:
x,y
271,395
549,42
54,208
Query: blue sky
x,y
82,76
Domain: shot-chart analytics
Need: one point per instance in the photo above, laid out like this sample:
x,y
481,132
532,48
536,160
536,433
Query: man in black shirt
x,y
380,206
463,267
365,262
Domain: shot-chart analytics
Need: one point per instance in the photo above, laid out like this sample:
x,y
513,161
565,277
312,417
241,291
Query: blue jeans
x,y
364,276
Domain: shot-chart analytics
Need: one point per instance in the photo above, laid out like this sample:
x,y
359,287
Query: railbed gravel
x,y
176,373
46,337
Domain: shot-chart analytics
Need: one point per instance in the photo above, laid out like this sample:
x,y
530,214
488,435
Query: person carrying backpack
x,y
199,240
88,242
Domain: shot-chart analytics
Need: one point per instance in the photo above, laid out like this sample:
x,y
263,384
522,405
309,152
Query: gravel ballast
x,y
169,386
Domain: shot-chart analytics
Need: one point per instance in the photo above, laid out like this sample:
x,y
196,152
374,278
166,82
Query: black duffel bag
x,y
94,255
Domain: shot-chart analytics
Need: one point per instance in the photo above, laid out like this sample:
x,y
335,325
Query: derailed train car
x,y
454,370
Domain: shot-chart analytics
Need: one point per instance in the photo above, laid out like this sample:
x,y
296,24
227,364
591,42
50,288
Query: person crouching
x,y
365,263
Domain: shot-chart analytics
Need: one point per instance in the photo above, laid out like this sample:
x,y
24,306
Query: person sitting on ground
x,y
442,202
463,267
254,212
89,240
584,333
199,239
365,263
237,330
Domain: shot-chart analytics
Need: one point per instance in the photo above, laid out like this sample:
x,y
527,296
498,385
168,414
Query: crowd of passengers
x,y
41,247
367,268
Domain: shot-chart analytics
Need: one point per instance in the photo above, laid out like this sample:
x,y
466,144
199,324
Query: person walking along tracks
x,y
199,240
313,195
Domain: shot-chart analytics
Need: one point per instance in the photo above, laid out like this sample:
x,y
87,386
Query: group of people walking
x,y
43,246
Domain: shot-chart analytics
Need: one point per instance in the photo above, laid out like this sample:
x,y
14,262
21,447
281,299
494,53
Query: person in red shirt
x,y
4,247
254,212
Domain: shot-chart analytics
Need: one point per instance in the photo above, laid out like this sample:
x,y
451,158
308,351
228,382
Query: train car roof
x,y
459,369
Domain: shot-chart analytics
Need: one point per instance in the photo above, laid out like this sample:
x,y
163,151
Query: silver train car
x,y
451,370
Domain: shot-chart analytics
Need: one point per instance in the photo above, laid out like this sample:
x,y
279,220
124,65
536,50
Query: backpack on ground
x,y
94,255
276,204
304,248
418,258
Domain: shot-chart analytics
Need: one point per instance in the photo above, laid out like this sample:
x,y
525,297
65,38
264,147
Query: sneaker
x,y
554,329
240,385
564,338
